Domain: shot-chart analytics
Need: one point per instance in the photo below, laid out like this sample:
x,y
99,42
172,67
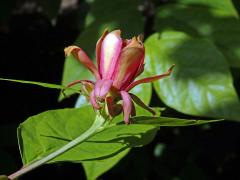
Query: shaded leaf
x,y
94,169
205,19
225,5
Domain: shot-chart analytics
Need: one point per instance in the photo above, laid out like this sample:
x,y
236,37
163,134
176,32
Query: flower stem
x,y
96,126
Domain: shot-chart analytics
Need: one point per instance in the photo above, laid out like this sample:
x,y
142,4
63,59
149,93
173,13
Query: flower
x,y
119,63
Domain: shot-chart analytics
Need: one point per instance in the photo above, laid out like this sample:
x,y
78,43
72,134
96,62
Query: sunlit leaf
x,y
44,133
201,84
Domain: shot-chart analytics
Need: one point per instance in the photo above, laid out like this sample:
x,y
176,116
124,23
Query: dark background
x,y
31,48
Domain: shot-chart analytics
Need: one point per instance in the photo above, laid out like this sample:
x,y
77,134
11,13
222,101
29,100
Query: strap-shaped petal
x,y
139,102
88,85
102,88
127,106
130,64
127,67
110,50
83,58
98,48
150,79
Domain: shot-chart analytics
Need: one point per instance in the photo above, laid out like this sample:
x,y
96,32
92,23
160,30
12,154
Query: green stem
x,y
96,126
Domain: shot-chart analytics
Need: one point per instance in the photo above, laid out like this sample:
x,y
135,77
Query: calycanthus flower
x,y
119,63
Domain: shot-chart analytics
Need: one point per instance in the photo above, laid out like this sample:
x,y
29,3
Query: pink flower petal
x,y
102,88
150,79
83,58
110,51
98,48
127,106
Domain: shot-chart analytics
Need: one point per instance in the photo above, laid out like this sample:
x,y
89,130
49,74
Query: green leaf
x,y
94,169
47,132
98,19
225,5
167,121
201,84
45,85
216,20
44,133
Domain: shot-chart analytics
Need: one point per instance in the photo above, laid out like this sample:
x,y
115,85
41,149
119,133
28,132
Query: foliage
x,y
201,37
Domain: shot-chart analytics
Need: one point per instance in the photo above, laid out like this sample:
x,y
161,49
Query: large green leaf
x,y
216,20
94,169
44,133
201,84
98,19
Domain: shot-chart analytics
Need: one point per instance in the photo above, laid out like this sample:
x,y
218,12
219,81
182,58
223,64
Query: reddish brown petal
x,y
87,83
127,106
130,63
83,58
150,79
113,108
127,67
